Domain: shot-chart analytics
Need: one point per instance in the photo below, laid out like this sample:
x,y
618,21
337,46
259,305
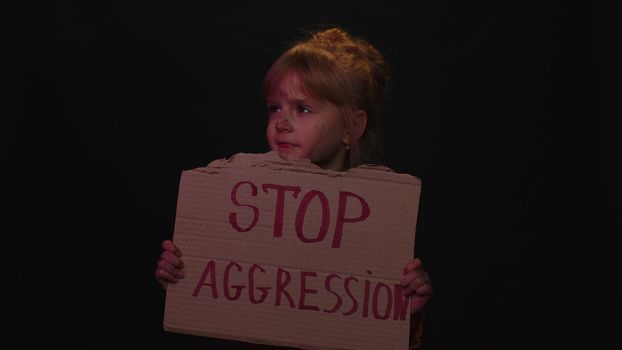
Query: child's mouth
x,y
285,145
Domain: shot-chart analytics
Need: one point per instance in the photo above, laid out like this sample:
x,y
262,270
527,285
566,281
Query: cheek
x,y
328,135
269,127
319,139
269,134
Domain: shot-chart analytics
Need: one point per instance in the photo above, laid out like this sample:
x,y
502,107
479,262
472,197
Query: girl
x,y
322,96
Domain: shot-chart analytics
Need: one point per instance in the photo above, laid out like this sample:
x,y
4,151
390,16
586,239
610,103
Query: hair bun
x,y
332,35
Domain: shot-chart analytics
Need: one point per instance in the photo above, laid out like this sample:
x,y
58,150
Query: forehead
x,y
289,86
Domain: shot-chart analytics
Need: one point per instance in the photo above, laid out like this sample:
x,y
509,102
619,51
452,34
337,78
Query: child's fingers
x,y
408,277
414,280
172,259
425,290
417,302
169,246
422,293
166,266
415,285
412,265
165,277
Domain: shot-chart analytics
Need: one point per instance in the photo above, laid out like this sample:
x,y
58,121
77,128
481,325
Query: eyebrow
x,y
275,96
308,101
300,101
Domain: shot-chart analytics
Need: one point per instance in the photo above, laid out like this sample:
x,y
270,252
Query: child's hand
x,y
169,268
417,285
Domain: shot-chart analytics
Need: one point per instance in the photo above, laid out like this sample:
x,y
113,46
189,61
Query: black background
x,y
508,111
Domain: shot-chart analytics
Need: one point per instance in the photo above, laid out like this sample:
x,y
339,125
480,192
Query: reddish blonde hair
x,y
347,71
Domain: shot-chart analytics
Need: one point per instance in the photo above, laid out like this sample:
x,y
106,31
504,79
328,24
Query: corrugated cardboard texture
x,y
293,255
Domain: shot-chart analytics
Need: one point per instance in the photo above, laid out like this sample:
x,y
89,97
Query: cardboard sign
x,y
293,255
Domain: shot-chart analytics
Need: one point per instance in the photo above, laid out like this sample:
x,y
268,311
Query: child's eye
x,y
273,108
303,109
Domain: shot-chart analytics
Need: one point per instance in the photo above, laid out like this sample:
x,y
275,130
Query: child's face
x,y
301,127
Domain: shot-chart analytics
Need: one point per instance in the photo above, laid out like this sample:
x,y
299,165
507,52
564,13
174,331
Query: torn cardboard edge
x,y
272,161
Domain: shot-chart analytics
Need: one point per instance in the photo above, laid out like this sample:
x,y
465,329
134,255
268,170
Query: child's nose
x,y
284,125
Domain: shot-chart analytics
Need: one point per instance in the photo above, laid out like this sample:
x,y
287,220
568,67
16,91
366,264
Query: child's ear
x,y
359,123
357,126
